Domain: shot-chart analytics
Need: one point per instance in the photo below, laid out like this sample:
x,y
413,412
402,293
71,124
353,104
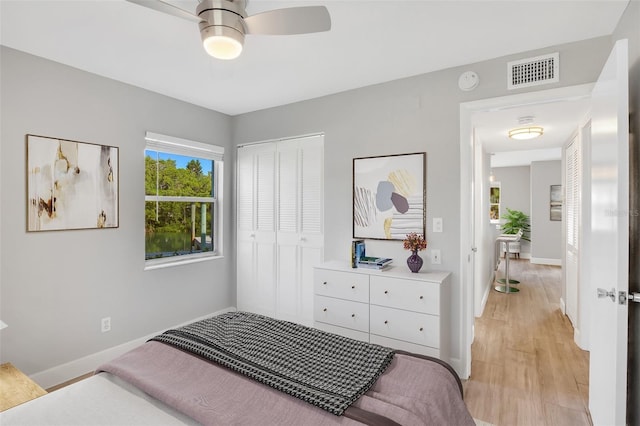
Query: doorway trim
x,y
468,231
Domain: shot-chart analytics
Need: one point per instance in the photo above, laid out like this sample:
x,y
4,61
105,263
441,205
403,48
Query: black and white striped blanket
x,y
323,369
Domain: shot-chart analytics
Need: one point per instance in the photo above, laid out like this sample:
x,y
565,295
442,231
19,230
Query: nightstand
x,y
16,388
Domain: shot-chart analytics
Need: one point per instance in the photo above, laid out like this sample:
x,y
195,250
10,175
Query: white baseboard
x,y
456,364
70,370
580,340
563,306
485,296
543,261
520,256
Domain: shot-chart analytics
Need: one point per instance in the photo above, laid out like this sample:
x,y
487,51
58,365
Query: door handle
x,y
602,293
624,297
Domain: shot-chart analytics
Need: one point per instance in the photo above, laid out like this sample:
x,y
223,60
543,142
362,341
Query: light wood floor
x,y
526,369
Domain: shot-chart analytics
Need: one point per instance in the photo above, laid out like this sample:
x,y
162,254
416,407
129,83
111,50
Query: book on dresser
x,y
357,252
374,262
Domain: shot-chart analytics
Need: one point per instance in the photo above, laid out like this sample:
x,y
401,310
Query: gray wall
x,y
515,193
628,28
546,235
56,286
415,114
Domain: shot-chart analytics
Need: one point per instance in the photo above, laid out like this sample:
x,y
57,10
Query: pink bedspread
x,y
412,391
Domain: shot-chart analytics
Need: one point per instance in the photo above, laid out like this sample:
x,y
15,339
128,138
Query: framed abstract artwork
x,y
71,185
555,202
389,196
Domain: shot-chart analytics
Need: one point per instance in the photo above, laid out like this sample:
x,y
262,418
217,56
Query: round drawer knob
x,y
386,322
386,292
421,297
420,328
353,286
324,310
324,283
353,315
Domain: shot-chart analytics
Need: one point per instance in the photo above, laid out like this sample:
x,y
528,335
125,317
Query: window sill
x,y
167,263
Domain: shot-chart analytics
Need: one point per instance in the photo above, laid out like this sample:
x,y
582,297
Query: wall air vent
x,y
533,71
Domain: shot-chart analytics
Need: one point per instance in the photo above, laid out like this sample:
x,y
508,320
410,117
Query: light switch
x,y
437,224
435,257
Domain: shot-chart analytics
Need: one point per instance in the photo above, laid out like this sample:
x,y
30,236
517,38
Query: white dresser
x,y
394,308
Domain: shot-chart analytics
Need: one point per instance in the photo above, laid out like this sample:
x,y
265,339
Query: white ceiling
x,y
370,42
559,119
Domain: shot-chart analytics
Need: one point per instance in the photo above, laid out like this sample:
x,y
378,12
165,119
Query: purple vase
x,y
414,262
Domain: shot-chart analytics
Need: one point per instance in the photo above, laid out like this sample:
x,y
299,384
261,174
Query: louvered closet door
x,y
280,226
256,245
573,207
300,237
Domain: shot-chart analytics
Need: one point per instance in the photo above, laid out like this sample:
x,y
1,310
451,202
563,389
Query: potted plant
x,y
514,221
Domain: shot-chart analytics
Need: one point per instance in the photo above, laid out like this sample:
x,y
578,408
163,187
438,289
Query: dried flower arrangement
x,y
415,242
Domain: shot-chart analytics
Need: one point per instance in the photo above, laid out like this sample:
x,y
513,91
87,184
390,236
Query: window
x,y
494,202
183,196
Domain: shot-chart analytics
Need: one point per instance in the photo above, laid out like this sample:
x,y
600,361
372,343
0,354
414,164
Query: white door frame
x,y
467,273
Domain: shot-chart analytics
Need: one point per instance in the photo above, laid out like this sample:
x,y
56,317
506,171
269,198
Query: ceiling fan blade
x,y
294,20
170,9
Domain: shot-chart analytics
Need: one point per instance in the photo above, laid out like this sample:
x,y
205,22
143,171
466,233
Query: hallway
x,y
526,369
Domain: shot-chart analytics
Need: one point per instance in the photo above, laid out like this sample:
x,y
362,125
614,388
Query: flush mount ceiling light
x,y
524,133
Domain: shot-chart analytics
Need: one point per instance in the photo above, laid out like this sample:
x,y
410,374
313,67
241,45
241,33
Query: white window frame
x,y
174,145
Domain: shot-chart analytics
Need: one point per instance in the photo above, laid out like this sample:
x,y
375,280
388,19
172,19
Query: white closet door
x,y
280,226
300,236
288,291
256,212
311,220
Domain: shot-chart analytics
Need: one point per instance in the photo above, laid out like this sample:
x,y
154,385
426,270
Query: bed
x,y
241,368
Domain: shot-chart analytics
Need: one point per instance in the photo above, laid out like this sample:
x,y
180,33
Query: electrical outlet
x,y
435,257
105,324
437,224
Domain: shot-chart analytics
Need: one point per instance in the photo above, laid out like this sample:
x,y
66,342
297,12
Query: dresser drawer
x,y
346,332
413,327
415,296
405,346
343,313
343,285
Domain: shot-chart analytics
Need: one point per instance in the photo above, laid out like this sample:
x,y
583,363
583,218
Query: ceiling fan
x,y
224,23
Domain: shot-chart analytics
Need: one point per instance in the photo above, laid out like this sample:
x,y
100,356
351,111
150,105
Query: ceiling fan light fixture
x,y
222,42
222,47
525,133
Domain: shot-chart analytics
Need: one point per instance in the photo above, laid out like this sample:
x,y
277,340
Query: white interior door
x,y
610,240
